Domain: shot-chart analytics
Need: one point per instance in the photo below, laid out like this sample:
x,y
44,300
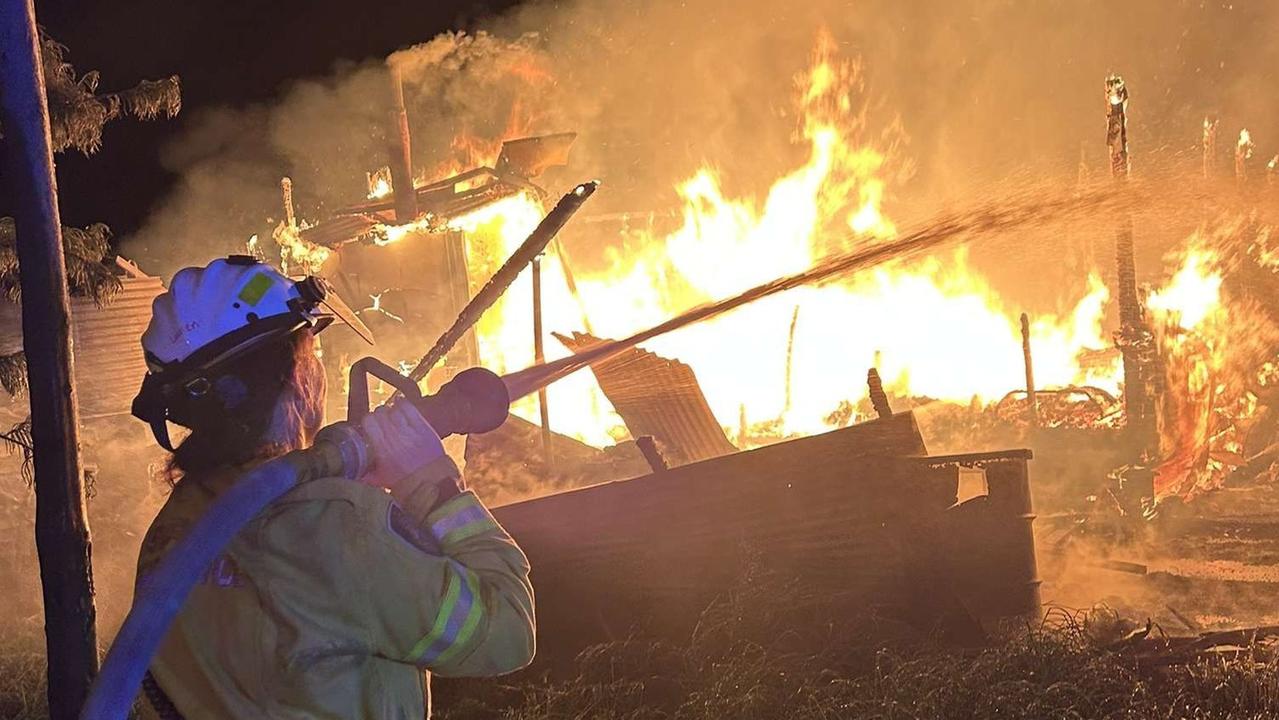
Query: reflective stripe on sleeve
x,y
461,518
459,615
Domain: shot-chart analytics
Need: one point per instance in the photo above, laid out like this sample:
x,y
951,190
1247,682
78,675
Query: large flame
x,y
935,329
1216,352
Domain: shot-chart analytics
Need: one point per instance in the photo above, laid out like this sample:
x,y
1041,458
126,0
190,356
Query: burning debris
x,y
658,398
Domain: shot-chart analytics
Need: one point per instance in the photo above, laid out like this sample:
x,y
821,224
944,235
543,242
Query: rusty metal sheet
x,y
660,397
858,514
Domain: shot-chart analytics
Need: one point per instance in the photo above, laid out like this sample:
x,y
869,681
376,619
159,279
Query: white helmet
x,y
213,314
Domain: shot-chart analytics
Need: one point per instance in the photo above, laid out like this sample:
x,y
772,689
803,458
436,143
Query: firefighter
x,y
333,601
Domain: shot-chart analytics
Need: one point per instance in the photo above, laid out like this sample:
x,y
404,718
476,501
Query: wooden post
x,y
1032,400
62,531
790,360
878,398
286,195
539,357
401,158
1136,342
1243,153
652,455
1209,147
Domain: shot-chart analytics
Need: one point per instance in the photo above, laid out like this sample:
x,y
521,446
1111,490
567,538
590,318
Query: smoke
x,y
984,88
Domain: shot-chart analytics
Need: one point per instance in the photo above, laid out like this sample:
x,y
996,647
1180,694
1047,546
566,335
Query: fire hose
x,y
475,401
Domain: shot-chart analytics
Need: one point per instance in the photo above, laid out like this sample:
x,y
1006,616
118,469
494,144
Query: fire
x,y
1245,146
935,329
1193,294
1215,351
297,256
379,187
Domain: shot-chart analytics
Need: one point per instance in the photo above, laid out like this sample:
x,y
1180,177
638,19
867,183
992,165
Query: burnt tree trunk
x,y
62,532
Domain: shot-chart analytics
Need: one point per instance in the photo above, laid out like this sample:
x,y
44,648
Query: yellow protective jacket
x,y
333,601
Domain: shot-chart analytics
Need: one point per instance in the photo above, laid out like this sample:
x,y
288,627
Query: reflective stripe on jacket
x,y
332,602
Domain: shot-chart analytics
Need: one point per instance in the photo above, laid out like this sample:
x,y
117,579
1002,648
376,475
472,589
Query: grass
x,y
769,652
22,678
745,662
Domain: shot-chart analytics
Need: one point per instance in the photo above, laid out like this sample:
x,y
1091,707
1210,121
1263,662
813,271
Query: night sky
x,y
227,53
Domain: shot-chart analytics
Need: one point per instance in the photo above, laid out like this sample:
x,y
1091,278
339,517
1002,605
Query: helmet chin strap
x,y
160,429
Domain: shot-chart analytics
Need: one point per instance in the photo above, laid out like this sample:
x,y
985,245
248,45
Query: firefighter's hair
x,y
276,405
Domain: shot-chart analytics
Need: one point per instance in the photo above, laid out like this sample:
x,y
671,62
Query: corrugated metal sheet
x,y
107,344
659,397
859,515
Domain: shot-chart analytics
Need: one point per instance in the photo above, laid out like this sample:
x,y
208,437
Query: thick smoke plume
x,y
984,88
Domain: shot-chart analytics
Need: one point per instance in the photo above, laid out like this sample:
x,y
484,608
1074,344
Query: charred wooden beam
x,y
790,358
61,527
652,454
878,398
286,196
1243,153
1117,126
400,154
1210,148
1032,400
539,357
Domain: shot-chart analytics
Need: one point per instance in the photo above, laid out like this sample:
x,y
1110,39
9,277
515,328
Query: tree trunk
x,y
62,532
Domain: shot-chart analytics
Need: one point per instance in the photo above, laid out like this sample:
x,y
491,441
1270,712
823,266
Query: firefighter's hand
x,y
401,442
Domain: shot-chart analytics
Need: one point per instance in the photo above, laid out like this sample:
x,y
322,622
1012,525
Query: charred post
x,y
61,528
1032,400
1210,148
1243,153
652,454
539,357
790,358
1136,342
286,196
1117,126
878,398
400,154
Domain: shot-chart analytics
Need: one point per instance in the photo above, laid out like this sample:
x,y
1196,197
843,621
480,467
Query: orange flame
x,y
936,329
1217,351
